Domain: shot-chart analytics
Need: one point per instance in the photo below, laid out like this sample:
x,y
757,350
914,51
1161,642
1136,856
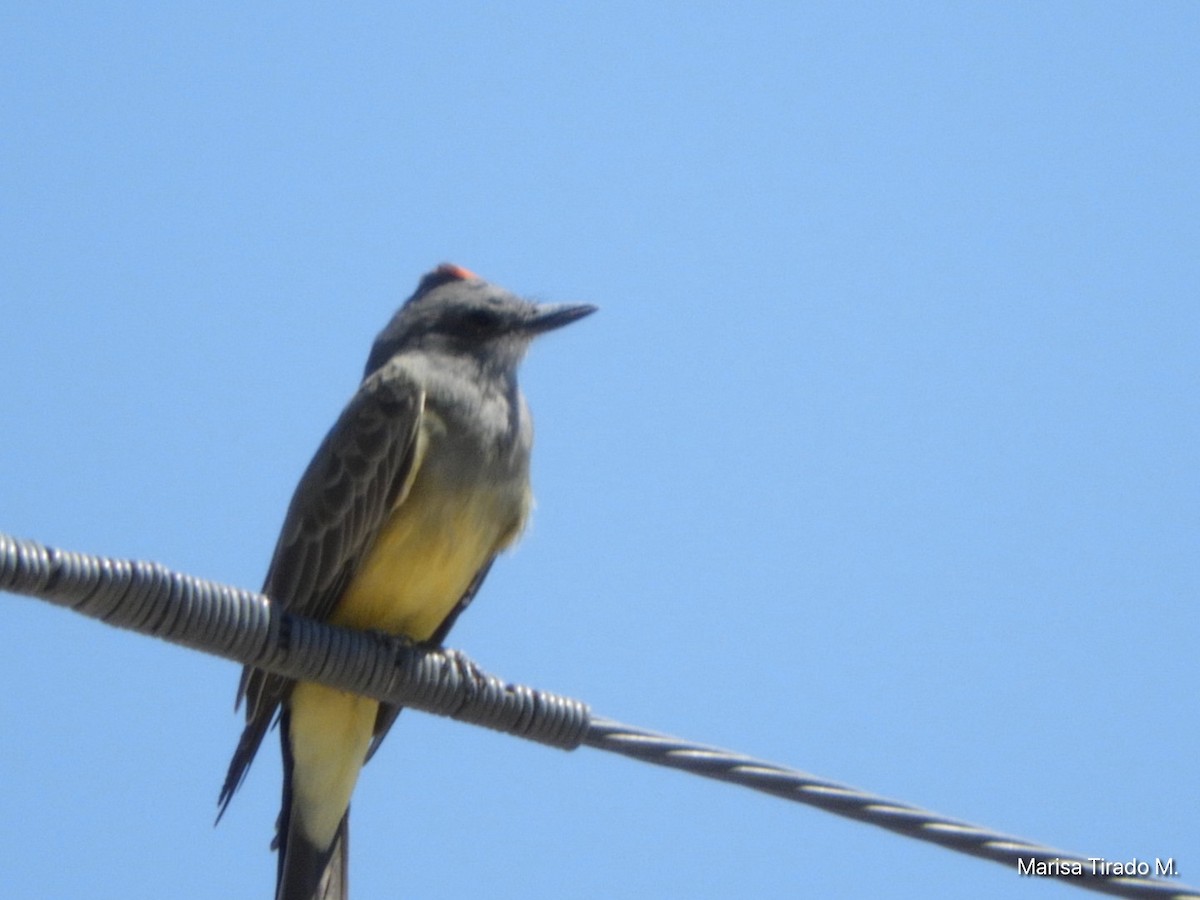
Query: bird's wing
x,y
362,469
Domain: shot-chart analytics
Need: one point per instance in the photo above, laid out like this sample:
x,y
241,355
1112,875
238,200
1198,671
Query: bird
x,y
421,482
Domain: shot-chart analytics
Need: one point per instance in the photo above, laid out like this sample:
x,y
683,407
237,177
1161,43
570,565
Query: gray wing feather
x,y
361,470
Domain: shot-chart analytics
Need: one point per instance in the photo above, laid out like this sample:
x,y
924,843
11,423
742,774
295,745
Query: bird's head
x,y
456,312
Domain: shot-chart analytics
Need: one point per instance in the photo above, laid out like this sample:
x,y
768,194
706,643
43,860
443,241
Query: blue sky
x,y
878,461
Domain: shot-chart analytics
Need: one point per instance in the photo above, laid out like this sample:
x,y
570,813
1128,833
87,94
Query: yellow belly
x,y
423,561
330,732
418,569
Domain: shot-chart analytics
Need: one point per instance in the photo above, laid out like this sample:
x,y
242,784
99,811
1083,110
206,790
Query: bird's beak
x,y
551,316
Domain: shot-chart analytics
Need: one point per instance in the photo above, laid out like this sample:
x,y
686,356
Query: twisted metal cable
x,y
245,627
910,821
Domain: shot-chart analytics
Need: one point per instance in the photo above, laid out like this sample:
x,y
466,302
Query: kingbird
x,y
421,482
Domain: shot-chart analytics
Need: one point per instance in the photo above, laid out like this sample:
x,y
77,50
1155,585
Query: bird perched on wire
x,y
421,482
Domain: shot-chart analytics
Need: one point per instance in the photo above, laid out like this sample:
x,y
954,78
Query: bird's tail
x,y
306,871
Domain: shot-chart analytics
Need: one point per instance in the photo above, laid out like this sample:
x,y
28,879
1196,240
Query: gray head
x,y
456,312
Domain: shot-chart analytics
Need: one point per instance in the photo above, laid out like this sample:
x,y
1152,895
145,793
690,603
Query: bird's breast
x,y
434,541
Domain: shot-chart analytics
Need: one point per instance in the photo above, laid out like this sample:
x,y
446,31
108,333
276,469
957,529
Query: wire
x,y
246,627
1019,855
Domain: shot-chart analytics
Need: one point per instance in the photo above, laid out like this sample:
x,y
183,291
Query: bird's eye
x,y
481,321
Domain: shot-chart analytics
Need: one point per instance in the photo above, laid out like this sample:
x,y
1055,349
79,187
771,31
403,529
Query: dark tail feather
x,y
306,871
